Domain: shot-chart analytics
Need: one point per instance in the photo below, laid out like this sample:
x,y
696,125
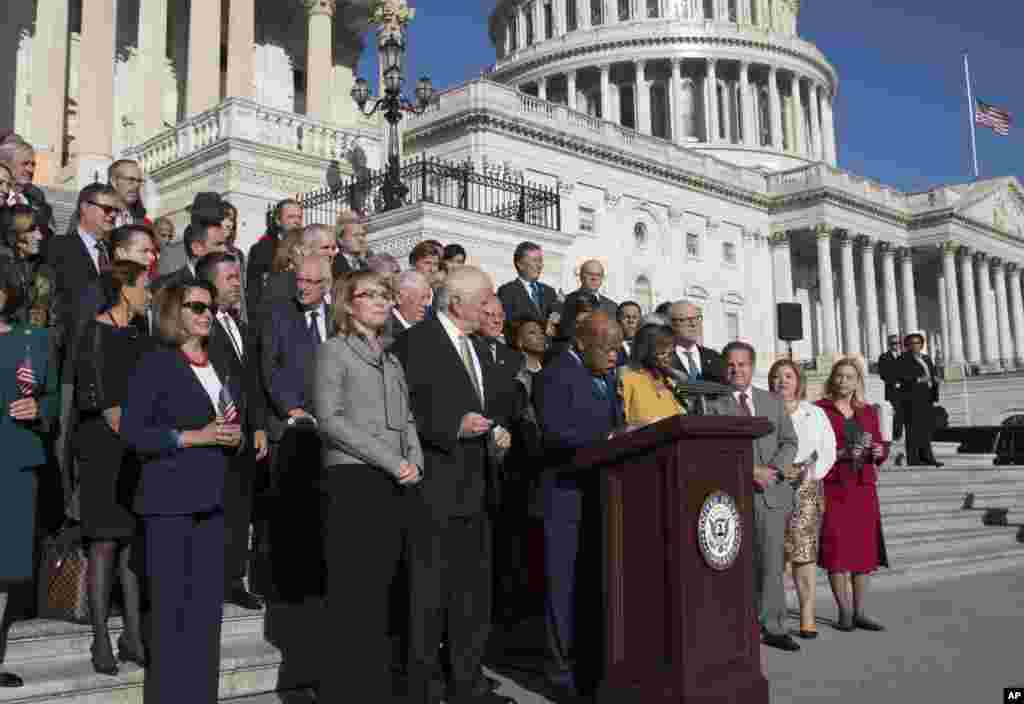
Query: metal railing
x,y
445,183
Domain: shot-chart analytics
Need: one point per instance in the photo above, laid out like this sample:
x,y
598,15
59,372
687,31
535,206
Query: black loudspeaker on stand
x,y
790,323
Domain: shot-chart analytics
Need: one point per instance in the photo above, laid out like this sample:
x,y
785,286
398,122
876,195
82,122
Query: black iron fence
x,y
446,183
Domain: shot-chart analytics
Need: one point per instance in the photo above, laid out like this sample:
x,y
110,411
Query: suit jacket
x,y
243,369
778,448
279,286
712,368
164,395
908,373
361,401
392,329
888,369
567,328
73,269
172,258
286,357
460,481
261,255
175,278
572,415
518,304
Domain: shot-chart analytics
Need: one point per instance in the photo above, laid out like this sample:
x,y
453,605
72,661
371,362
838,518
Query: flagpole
x,y
970,109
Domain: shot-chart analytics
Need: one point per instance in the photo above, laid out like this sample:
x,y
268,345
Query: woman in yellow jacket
x,y
648,392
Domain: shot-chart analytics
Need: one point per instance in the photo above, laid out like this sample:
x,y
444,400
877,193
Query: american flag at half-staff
x,y
25,375
996,118
228,409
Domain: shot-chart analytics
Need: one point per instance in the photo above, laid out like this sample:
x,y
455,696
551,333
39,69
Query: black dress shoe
x,y
807,635
866,624
103,661
938,464
9,679
240,596
783,642
125,653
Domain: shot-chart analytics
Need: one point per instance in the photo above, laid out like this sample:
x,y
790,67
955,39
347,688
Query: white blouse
x,y
207,376
814,433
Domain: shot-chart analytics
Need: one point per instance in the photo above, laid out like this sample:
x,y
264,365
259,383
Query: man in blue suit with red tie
x,y
578,405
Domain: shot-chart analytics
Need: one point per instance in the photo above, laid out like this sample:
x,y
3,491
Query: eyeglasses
x,y
132,180
309,282
694,319
107,209
372,295
200,308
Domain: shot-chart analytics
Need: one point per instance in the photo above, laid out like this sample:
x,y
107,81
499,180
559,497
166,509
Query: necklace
x,y
199,361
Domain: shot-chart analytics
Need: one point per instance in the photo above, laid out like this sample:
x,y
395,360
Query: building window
x,y
733,11
624,10
549,21
729,252
586,218
528,15
709,9
654,8
640,234
643,293
570,16
596,13
732,326
692,245
513,34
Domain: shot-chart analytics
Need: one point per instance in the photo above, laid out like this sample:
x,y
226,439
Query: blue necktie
x,y
693,372
602,387
535,293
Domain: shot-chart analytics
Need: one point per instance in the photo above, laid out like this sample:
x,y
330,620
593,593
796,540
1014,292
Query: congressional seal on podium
x,y
719,531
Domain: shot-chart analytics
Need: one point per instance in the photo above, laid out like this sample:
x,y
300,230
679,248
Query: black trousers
x,y
919,417
185,568
365,521
450,592
898,420
239,482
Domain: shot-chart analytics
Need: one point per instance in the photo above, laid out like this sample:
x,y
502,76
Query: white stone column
x,y
1017,306
676,94
972,350
823,234
986,303
542,88
892,313
799,134
94,141
814,107
49,87
828,128
909,295
747,121
582,13
943,320
203,57
851,324
782,276
558,17
642,95
570,81
869,284
606,94
775,108
241,78
711,90
1006,352
319,58
955,357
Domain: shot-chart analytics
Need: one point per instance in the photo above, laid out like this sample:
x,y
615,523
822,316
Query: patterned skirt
x,y
805,523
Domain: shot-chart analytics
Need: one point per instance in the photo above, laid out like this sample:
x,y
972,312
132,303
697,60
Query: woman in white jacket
x,y
816,453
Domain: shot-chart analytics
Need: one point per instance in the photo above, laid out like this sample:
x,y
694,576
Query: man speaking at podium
x,y
577,402
774,493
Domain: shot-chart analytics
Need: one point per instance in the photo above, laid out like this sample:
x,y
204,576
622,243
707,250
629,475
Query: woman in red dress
x,y
851,532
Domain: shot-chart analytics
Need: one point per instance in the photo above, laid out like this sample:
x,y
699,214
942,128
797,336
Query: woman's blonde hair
x,y
801,385
345,288
832,388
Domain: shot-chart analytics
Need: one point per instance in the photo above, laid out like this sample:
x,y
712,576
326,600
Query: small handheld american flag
x,y
25,375
226,406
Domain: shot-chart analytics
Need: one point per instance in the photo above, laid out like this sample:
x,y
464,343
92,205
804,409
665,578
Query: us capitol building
x,y
692,144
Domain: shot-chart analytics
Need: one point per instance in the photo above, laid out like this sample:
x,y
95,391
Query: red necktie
x,y
745,405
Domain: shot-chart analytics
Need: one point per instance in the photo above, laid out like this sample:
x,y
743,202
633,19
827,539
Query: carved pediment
x,y
1001,205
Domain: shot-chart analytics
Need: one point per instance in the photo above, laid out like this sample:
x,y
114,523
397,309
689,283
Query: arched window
x,y
709,9
640,234
764,117
624,10
643,293
734,11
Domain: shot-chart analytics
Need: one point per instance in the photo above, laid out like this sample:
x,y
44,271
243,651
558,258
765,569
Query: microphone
x,y
698,389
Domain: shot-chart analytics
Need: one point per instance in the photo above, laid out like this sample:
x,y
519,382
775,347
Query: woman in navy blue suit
x,y
181,417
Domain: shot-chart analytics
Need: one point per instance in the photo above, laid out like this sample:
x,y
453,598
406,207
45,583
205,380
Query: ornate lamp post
x,y
391,16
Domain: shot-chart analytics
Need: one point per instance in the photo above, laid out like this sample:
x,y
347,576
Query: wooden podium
x,y
675,628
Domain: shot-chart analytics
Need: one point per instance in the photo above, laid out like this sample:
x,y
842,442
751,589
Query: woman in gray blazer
x,y
372,457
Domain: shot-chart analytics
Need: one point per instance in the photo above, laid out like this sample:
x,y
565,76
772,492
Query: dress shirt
x,y
924,367
814,434
628,346
89,240
750,399
321,323
401,319
528,285
234,334
693,350
207,376
454,334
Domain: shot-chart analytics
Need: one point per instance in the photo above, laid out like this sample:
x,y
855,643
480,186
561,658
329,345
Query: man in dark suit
x,y
919,387
227,350
577,406
888,369
628,316
774,492
527,297
694,360
201,238
449,539
591,279
287,215
207,207
352,246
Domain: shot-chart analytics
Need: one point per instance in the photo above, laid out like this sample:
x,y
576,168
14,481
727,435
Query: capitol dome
x,y
726,77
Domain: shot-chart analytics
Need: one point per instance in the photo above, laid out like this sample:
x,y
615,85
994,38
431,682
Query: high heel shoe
x,y
103,661
845,622
131,654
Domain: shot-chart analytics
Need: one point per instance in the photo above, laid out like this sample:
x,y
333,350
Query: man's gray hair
x,y
653,319
411,279
10,147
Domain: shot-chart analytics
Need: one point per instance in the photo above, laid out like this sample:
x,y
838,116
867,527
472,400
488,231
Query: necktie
x,y
692,371
602,387
314,327
467,360
102,258
745,409
494,351
535,293
361,263
229,327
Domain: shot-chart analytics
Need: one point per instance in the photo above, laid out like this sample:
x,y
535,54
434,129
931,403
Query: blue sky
x,y
901,116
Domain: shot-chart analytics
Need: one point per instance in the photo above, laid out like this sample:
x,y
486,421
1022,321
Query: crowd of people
x,y
390,437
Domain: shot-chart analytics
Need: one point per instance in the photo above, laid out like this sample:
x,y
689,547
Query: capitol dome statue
x,y
727,77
